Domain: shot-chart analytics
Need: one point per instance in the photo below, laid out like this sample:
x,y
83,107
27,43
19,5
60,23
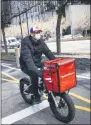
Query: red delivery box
x,y
60,74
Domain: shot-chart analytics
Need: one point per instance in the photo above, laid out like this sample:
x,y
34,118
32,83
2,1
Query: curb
x,y
55,55
73,53
66,54
81,63
8,60
68,40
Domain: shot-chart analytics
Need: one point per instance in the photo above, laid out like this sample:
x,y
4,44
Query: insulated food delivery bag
x,y
60,74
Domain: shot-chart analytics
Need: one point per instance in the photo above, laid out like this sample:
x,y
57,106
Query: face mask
x,y
37,36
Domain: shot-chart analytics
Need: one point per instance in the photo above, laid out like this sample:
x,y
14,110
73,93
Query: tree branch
x,y
24,11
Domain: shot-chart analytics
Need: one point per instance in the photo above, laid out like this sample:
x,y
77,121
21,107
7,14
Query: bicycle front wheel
x,y
64,110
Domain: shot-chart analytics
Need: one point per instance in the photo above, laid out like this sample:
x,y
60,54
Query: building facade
x,y
78,17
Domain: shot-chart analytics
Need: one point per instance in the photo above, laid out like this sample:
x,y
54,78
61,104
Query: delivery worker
x,y
32,48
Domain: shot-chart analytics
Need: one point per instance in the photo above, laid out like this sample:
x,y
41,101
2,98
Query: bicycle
x,y
58,101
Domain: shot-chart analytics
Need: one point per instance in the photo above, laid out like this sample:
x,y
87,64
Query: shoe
x,y
37,99
46,91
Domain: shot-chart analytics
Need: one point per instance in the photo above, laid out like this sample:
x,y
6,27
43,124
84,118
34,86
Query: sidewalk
x,y
72,47
67,38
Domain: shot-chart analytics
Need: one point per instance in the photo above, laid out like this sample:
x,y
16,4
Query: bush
x,y
66,31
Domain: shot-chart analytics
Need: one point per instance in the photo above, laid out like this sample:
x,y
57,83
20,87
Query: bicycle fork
x,y
52,96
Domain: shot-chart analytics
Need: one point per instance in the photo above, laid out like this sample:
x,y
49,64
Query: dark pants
x,y
34,80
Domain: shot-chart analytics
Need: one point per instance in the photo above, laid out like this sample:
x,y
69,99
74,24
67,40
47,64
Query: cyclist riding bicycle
x,y
32,48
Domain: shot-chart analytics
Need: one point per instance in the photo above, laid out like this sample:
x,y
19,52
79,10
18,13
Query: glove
x,y
40,73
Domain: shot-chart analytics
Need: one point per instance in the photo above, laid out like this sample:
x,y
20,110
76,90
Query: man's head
x,y
35,32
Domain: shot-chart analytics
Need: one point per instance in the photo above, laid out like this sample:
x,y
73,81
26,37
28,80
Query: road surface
x,y
16,111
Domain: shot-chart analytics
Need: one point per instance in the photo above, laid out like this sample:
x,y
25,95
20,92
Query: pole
x,y
27,22
20,23
17,53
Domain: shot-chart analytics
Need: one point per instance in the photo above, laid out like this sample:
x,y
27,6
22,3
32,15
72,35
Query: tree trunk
x,y
20,23
27,22
58,32
4,39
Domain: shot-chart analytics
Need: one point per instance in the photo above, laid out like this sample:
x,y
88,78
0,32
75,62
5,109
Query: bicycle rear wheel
x,y
26,90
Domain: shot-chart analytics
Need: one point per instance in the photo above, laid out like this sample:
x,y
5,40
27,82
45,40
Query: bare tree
x,y
60,13
5,16
10,11
25,6
84,23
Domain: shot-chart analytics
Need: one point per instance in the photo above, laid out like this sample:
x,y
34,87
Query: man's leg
x,y
34,81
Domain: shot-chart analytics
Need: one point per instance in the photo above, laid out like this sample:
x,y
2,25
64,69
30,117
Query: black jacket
x,y
31,53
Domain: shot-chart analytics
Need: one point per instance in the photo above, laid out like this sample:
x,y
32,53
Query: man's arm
x,y
27,57
48,52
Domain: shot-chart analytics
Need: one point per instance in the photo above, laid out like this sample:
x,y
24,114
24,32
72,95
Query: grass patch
x,y
9,56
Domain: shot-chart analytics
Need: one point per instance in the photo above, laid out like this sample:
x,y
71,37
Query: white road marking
x,y
10,67
7,64
84,77
78,76
25,113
